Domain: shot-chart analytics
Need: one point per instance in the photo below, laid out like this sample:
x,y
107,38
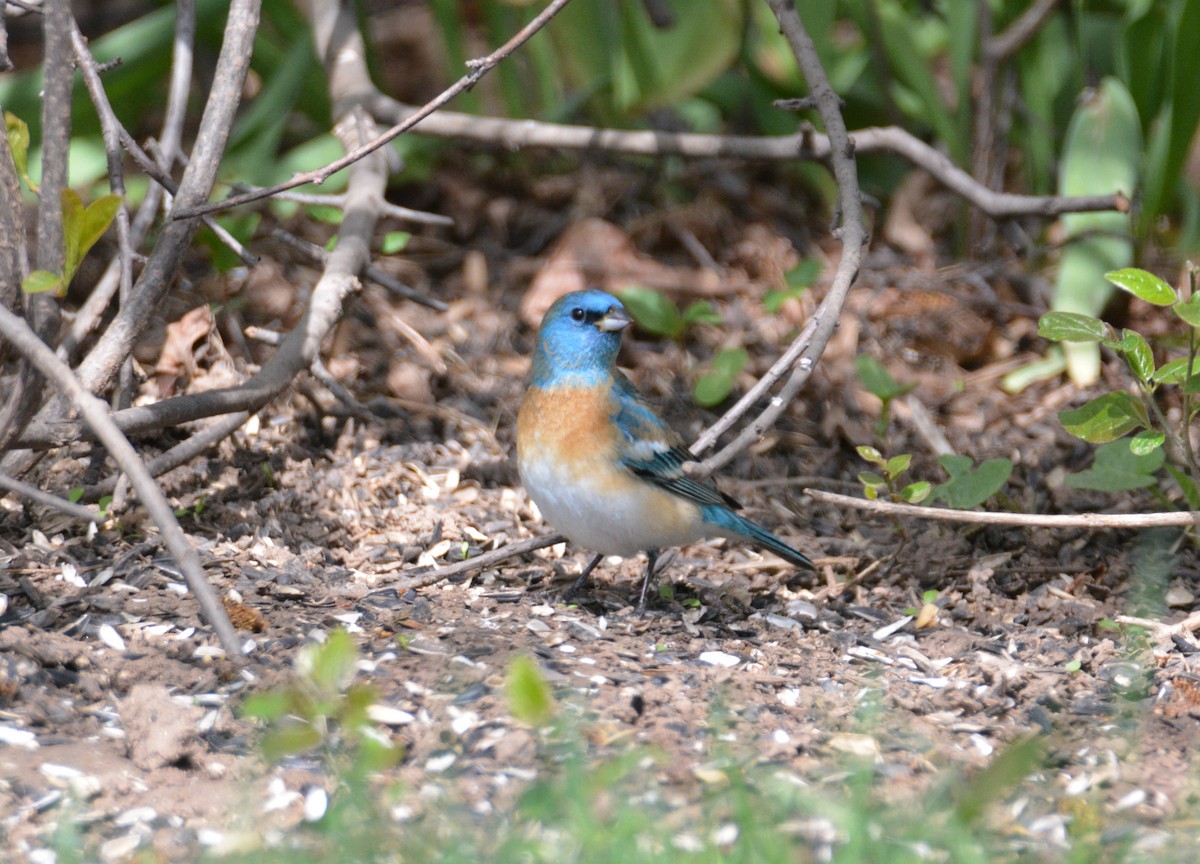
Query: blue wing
x,y
654,451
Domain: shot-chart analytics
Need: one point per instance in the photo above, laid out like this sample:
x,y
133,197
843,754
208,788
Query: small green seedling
x,y
881,383
887,481
657,313
799,279
716,383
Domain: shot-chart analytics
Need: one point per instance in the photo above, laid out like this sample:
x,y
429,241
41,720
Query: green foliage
x,y
1102,155
657,313
799,279
887,481
324,709
714,385
1119,468
970,486
1123,465
529,696
17,131
881,383
82,228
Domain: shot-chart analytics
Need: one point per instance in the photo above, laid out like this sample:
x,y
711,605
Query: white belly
x,y
595,516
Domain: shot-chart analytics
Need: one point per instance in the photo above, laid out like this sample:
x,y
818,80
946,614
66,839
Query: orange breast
x,y
569,425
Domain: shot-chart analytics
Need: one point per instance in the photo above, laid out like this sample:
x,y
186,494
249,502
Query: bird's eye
x,y
578,314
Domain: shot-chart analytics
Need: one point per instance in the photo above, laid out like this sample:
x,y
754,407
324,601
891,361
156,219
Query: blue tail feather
x,y
726,519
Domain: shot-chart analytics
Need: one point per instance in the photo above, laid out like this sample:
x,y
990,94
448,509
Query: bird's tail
x,y
731,523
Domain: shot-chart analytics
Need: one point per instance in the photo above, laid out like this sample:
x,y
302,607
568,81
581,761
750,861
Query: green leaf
x,y
1117,468
1006,770
395,241
529,697
331,666
870,478
653,311
75,495
915,493
1187,485
897,465
803,275
1175,371
1072,327
267,706
968,486
72,215
95,220
1137,351
1189,310
1146,441
870,454
41,281
701,312
714,386
289,741
877,379
18,142
326,213
1143,285
1105,418
731,361
711,389
1101,155
1073,666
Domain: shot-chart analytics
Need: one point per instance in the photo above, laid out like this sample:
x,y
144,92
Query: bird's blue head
x,y
579,339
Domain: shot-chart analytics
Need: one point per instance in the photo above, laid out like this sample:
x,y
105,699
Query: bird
x,y
603,468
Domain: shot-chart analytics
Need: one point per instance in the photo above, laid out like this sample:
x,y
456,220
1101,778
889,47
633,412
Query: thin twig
x,y
62,505
1093,521
487,559
183,452
1006,44
478,68
95,413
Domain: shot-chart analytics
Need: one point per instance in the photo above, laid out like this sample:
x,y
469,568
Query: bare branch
x,y
487,559
95,413
801,357
1091,521
478,68
75,511
97,369
806,144
1018,34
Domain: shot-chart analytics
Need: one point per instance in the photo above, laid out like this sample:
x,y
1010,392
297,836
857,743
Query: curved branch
x,y
802,355
806,144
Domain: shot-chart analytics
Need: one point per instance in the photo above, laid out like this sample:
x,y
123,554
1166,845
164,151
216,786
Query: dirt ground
x,y
118,714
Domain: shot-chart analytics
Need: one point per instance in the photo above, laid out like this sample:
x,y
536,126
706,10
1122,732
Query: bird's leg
x,y
651,560
579,583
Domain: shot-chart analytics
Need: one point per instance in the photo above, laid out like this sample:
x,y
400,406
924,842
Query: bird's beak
x,y
614,320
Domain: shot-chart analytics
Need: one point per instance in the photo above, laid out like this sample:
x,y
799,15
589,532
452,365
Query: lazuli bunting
x,y
602,467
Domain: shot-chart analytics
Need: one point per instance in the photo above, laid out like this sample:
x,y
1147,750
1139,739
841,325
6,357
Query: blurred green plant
x,y
881,384
1102,155
656,313
798,279
1111,416
323,709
